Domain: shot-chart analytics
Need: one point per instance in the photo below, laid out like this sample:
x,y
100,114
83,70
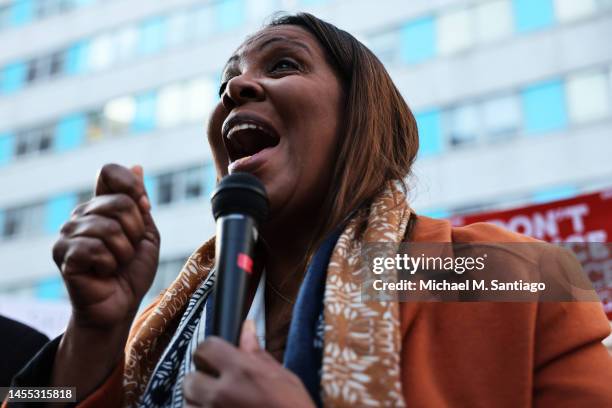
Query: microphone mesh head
x,y
240,193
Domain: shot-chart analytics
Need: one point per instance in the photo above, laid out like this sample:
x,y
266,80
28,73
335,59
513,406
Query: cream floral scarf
x,y
362,340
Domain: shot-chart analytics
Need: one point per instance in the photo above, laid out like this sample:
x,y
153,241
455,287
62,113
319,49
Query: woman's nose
x,y
240,90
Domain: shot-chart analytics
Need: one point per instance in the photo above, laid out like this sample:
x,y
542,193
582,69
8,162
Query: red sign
x,y
582,219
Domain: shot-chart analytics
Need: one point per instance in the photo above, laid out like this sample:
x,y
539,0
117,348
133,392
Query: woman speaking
x,y
313,114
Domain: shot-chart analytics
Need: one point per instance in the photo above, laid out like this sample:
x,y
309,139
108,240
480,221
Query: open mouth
x,y
246,138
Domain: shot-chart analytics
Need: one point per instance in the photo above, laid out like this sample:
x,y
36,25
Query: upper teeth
x,y
244,126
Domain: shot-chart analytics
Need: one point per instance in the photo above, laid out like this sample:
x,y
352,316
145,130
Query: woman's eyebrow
x,y
286,40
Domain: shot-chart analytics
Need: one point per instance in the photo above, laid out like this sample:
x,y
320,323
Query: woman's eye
x,y
285,64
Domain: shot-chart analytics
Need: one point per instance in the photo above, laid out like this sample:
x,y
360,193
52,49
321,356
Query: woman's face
x,y
278,117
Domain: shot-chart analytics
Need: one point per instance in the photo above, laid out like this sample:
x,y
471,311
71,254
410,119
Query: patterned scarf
x,y
361,340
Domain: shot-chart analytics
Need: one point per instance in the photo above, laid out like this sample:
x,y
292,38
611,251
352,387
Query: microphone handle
x,y
236,235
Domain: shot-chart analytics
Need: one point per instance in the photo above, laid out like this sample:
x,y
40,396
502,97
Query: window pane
x,y
455,31
430,133
229,14
179,30
259,10
100,53
554,194
144,117
385,46
76,58
150,183
151,36
210,178
164,189
501,116
170,109
7,147
119,114
588,96
194,183
462,124
532,15
544,107
57,63
58,211
569,10
70,132
95,128
22,12
493,20
201,99
13,77
125,43
203,22
418,40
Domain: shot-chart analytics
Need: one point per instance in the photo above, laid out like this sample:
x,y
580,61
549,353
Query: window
x,y
125,43
100,53
455,31
493,20
7,147
57,211
544,107
23,221
181,186
170,109
179,30
150,183
34,140
201,97
144,116
203,22
501,116
5,13
46,8
51,289
151,36
210,178
533,15
119,114
76,58
554,194
462,124
229,14
385,46
95,126
569,10
418,40
430,134
588,96
259,10
194,183
164,189
13,77
70,132
45,67
22,12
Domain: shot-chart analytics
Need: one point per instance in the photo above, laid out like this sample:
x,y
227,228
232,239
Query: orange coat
x,y
484,354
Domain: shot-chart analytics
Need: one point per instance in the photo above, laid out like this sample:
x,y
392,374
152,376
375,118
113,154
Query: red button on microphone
x,y
245,262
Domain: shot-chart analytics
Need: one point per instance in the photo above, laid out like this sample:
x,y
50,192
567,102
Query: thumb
x,y
248,337
144,203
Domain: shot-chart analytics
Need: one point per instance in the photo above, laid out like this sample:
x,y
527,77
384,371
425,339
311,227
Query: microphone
x,y
239,205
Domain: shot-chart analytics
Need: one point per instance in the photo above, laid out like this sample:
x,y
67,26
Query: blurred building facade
x,y
512,97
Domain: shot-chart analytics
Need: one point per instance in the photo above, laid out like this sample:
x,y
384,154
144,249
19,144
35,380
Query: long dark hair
x,y
379,140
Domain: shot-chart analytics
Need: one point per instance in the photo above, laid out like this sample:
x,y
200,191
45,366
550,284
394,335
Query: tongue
x,y
251,141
